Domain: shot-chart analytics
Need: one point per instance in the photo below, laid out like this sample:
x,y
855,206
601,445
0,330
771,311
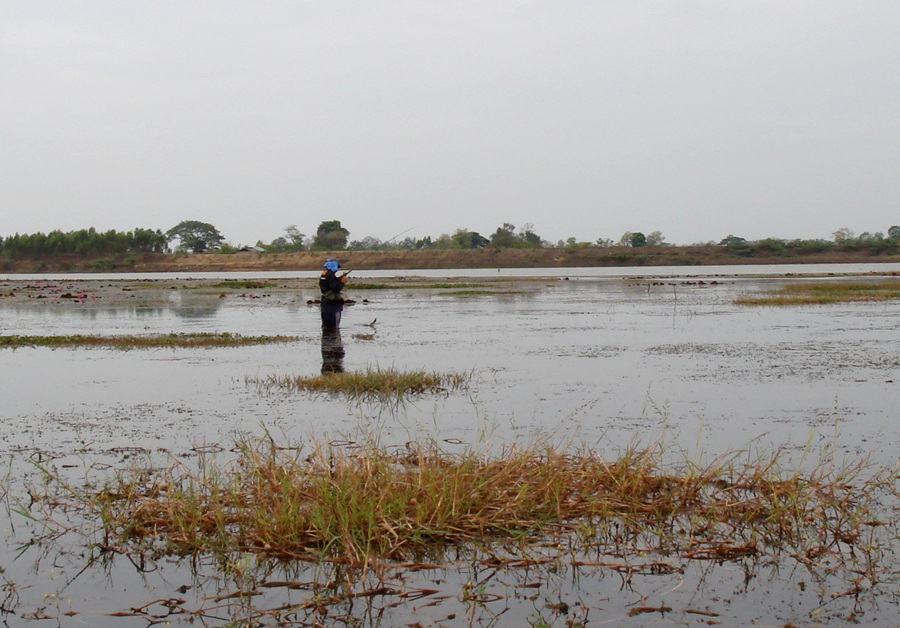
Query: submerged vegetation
x,y
222,339
824,292
368,503
373,383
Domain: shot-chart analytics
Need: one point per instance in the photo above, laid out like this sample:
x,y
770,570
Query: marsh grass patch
x,y
241,284
825,292
407,285
362,503
468,293
187,340
379,384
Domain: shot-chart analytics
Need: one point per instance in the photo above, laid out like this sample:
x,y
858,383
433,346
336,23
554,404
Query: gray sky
x,y
699,119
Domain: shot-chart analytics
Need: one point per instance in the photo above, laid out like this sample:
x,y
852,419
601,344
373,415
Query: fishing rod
x,y
359,263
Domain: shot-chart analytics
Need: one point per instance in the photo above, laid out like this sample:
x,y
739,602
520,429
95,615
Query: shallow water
x,y
603,361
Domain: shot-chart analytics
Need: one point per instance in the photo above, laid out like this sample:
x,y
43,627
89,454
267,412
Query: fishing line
x,y
359,263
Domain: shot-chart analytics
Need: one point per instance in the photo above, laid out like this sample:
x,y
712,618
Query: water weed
x,y
222,339
824,292
370,384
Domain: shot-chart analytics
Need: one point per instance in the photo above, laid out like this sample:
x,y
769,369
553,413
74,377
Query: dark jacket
x,y
331,286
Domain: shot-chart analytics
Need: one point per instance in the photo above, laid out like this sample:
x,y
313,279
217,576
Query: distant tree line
x,y
332,236
844,239
193,236
87,242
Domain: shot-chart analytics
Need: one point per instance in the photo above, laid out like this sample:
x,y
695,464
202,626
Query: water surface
x,y
595,359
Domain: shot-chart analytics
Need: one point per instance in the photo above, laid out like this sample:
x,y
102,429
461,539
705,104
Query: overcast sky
x,y
699,119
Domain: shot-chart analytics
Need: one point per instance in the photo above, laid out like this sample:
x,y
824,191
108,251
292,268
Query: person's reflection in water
x,y
332,350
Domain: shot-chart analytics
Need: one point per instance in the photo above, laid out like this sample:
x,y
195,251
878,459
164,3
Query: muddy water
x,y
605,361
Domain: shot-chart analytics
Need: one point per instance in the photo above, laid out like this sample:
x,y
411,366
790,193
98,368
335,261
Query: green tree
x,y
633,238
369,243
505,236
411,243
296,240
195,236
147,241
733,241
292,240
529,237
443,242
894,232
330,236
465,239
844,234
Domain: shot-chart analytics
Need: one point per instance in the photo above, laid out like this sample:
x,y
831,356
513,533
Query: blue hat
x,y
331,264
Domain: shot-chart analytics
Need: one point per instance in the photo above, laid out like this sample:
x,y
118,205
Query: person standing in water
x,y
332,305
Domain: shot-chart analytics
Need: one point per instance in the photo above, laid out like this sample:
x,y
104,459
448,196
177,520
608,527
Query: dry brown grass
x,y
371,503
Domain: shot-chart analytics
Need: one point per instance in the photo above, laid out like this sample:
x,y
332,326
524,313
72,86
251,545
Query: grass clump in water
x,y
467,293
413,284
373,383
243,284
369,503
220,339
824,292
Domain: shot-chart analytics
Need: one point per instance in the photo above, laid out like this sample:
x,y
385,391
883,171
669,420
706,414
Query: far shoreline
x,y
431,259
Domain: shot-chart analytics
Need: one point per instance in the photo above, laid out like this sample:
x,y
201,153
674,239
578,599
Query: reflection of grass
x,y
223,339
803,293
242,284
371,502
385,384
